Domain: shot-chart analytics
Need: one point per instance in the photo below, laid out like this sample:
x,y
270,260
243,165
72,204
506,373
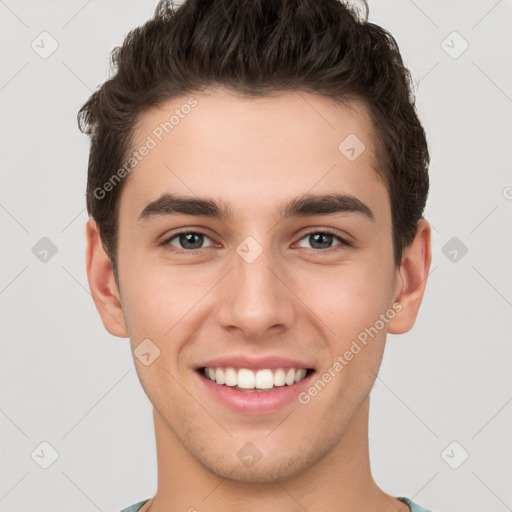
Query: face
x,y
255,284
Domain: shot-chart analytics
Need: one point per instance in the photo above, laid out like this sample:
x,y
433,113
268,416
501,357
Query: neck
x,y
341,481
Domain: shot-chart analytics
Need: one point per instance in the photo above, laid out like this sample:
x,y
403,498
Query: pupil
x,y
317,239
187,240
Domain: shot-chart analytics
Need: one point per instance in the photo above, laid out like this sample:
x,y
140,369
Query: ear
x,y
412,279
100,275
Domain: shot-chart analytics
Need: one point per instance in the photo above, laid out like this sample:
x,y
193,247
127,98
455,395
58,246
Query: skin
x,y
292,300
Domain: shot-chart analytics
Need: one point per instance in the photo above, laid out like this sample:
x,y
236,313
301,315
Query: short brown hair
x,y
256,48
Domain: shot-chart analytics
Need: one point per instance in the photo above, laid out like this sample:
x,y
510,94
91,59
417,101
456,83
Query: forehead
x,y
219,144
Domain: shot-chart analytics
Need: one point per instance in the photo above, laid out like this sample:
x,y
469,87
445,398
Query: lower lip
x,y
254,402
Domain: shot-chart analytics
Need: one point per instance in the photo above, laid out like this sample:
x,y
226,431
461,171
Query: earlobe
x,y
413,274
102,284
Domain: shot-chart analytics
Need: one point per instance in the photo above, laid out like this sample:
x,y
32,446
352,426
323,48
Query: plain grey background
x,y
444,390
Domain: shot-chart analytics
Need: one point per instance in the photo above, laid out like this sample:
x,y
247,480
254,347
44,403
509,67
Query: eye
x,y
190,241
187,240
322,240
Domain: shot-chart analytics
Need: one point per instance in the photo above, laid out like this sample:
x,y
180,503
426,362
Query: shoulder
x,y
414,506
134,507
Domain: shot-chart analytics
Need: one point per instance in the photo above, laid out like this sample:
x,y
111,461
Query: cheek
x,y
161,301
348,298
148,303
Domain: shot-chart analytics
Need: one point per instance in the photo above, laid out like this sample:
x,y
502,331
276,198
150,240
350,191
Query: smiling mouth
x,y
246,380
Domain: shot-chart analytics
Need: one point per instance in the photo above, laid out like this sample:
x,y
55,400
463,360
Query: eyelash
x,y
168,247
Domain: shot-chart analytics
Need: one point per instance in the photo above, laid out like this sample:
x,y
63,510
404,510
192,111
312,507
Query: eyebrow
x,y
302,206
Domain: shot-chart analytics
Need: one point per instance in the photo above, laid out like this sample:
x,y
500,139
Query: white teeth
x,y
290,377
245,378
230,378
261,379
219,376
264,379
300,374
279,377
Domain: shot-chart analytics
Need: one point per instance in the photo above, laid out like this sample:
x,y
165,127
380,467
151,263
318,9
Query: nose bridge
x,y
254,299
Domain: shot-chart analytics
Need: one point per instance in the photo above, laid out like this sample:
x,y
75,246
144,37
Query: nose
x,y
255,298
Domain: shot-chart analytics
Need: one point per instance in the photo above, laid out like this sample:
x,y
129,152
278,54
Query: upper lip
x,y
254,363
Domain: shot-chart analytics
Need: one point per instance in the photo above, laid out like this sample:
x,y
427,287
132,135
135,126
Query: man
x,y
257,180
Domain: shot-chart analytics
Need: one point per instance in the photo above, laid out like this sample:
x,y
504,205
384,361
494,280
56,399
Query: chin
x,y
270,472
268,469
